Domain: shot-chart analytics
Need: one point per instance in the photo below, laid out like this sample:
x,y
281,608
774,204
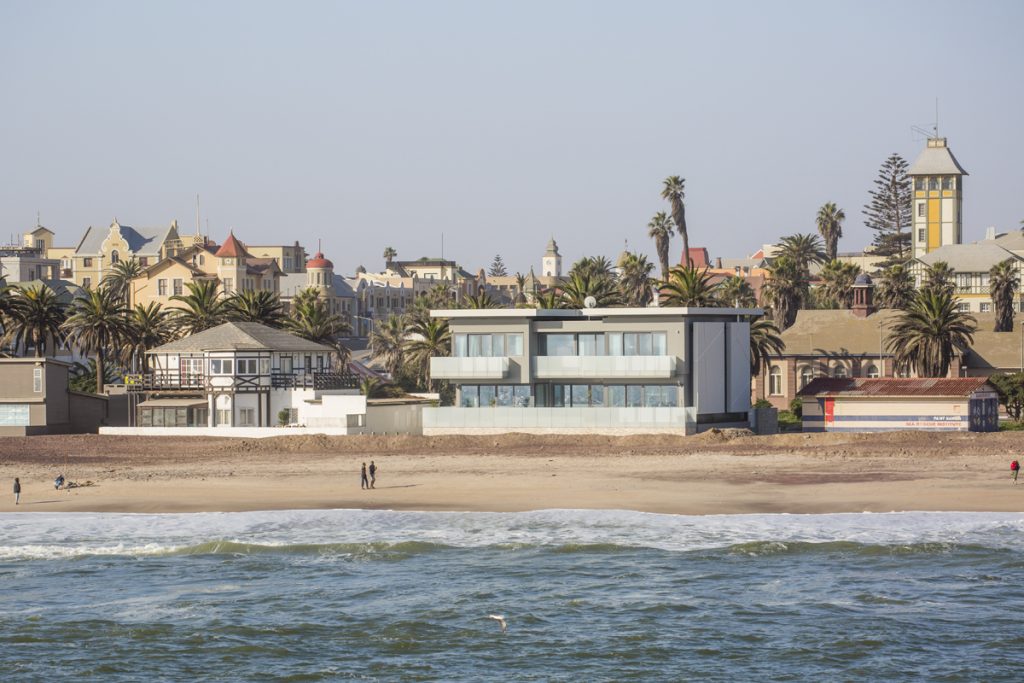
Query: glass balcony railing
x,y
469,367
605,367
467,420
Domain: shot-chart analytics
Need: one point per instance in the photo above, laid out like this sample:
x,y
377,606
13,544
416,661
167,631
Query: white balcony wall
x,y
469,368
492,420
605,367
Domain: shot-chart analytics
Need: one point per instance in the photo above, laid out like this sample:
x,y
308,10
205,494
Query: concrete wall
x,y
886,414
394,419
498,420
240,432
88,412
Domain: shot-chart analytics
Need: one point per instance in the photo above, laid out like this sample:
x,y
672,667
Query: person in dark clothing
x,y
373,475
59,481
364,483
17,490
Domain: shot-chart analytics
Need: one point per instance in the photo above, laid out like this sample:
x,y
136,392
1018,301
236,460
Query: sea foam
x,y
64,535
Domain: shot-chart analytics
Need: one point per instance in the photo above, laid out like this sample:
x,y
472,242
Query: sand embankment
x,y
707,474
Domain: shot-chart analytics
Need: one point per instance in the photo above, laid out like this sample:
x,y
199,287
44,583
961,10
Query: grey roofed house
x,y
141,241
969,258
1013,240
936,159
240,336
65,290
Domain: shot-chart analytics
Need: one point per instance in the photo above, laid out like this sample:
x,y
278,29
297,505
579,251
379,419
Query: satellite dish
x,y
590,302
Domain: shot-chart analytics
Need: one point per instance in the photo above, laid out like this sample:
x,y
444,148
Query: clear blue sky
x,y
383,123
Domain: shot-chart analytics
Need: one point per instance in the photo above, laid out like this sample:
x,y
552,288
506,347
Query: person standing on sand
x,y
364,483
373,475
1014,467
17,490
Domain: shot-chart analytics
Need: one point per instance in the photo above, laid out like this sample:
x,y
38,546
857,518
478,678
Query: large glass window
x,y
514,343
580,395
659,340
634,396
629,344
505,395
488,395
487,345
558,345
775,381
616,396
222,366
596,395
459,346
947,183
521,395
614,343
591,344
469,396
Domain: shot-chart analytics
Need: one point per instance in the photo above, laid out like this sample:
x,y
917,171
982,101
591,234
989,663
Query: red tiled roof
x,y
232,247
319,261
958,387
698,257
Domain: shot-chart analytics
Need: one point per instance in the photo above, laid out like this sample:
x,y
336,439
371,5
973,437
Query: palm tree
x,y
896,289
1003,282
660,230
548,299
427,340
480,301
785,291
736,291
764,343
98,326
581,285
150,325
595,266
837,282
674,191
635,279
520,288
34,318
688,286
257,306
389,255
119,279
387,343
204,308
938,277
371,387
314,322
926,335
830,227
803,250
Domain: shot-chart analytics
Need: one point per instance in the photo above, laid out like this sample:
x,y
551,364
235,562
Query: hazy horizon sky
x,y
382,124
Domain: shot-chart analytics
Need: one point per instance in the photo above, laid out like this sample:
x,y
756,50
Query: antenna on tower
x,y
198,224
929,132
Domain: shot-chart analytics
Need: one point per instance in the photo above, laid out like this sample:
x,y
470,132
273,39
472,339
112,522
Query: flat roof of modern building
x,y
586,313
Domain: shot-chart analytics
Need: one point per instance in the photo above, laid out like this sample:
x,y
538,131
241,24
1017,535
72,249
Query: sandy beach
x,y
714,473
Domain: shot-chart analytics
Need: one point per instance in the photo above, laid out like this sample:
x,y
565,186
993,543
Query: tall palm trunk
x,y
679,216
99,371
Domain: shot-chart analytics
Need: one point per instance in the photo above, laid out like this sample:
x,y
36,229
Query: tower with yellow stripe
x,y
938,181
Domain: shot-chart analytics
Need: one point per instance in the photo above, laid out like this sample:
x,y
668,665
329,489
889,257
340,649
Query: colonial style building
x,y
599,370
102,248
938,181
971,264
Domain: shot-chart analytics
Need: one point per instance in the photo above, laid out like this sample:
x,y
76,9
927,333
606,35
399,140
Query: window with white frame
x,y
963,307
37,380
806,376
775,381
839,371
223,417
178,286
246,417
921,208
871,371
287,364
985,307
921,235
161,287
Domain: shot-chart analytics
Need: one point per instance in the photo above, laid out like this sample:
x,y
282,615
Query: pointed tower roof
x,y
232,247
552,248
936,159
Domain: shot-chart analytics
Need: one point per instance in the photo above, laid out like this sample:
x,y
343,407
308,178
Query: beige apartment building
x,y
102,248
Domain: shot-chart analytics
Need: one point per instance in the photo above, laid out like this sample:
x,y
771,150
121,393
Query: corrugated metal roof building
x,y
861,404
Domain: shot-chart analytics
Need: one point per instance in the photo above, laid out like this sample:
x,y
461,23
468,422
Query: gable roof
x,y
836,332
240,336
957,387
698,256
1013,240
141,241
40,228
936,159
969,258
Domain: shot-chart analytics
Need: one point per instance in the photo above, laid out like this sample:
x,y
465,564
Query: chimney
x,y
863,296
990,232
718,262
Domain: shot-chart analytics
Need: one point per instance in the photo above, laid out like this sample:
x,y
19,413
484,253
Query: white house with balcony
x,y
246,375
600,370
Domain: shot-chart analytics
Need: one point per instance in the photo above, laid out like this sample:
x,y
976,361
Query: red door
x,y
830,412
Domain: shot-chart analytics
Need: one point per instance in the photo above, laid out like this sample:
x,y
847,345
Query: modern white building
x,y
599,370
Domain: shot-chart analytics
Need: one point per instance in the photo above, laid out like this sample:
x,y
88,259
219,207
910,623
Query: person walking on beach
x,y
17,490
1014,467
364,483
373,475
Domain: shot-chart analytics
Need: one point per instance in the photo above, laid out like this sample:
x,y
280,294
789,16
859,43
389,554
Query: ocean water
x,y
588,596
